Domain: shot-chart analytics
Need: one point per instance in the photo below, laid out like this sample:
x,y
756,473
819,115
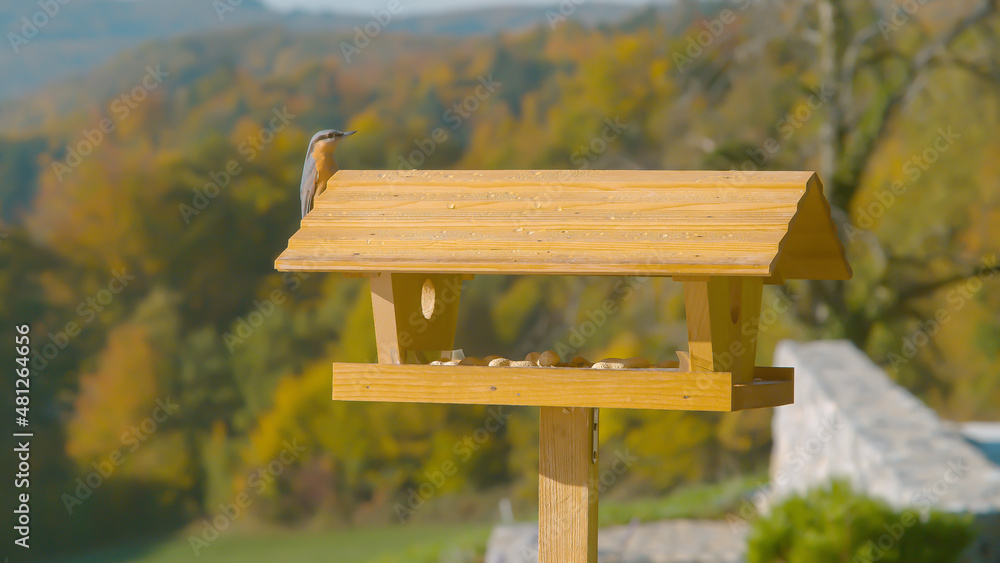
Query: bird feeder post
x,y
418,234
567,485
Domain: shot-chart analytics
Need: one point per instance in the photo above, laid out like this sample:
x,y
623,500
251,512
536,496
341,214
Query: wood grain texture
x,y
384,314
567,486
401,322
776,387
557,387
569,222
722,317
804,252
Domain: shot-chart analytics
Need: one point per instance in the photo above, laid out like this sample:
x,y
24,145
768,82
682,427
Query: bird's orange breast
x,y
326,165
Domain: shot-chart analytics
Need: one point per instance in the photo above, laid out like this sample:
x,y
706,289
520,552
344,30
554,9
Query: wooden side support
x,y
722,318
414,312
567,485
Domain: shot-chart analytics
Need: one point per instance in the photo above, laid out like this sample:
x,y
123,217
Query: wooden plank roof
x,y
624,222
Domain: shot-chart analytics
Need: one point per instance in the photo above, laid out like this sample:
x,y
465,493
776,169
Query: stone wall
x,y
851,421
669,541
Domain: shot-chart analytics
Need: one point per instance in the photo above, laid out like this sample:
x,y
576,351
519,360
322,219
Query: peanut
x,y
636,363
548,358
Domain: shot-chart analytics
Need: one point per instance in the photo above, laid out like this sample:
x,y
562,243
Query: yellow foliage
x,y
510,311
119,393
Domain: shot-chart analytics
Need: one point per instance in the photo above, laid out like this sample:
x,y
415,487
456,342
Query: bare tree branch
x,y
926,289
857,160
849,62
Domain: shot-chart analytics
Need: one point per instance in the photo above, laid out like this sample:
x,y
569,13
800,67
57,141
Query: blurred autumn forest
x,y
158,244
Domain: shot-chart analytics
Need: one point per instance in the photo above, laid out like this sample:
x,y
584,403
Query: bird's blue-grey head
x,y
327,135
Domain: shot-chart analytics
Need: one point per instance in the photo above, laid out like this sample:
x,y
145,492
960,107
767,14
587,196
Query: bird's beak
x,y
348,133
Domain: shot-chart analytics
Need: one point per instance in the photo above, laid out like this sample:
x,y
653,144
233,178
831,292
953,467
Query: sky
x,y
420,5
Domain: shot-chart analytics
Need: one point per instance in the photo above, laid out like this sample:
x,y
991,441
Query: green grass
x,y
712,501
390,544
417,543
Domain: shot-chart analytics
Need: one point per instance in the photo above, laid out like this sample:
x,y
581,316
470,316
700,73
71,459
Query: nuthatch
x,y
319,165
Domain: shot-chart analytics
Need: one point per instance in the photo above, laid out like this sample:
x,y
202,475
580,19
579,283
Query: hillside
x,y
85,33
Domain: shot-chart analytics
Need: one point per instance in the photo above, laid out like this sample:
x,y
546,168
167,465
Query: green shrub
x,y
836,524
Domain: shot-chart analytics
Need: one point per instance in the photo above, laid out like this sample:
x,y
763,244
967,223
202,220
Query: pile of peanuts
x,y
551,359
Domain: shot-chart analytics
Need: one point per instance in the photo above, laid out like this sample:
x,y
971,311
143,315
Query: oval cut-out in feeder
x,y
427,297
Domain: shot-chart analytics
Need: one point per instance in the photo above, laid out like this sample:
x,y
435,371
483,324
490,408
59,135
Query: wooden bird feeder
x,y
418,234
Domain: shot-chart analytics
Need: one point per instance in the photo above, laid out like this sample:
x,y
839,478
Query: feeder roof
x,y
775,225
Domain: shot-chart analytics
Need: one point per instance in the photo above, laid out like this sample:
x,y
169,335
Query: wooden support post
x,y
386,342
414,312
567,485
722,317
